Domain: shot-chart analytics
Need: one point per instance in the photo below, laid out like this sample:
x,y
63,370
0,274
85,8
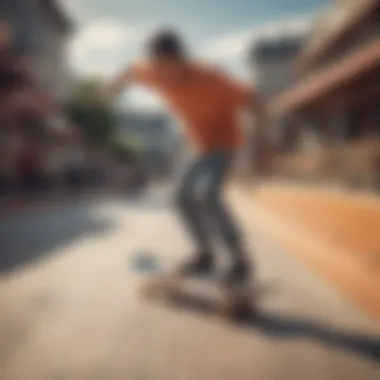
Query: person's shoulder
x,y
212,72
141,71
141,67
207,68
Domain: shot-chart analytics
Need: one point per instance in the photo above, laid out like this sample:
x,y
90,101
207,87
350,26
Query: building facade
x,y
337,96
273,61
40,30
38,35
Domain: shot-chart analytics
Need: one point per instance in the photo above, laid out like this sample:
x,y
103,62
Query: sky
x,y
110,34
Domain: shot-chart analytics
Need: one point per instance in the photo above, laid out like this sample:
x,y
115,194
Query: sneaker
x,y
201,265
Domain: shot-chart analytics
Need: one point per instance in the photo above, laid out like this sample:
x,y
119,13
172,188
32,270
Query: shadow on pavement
x,y
283,327
278,326
26,239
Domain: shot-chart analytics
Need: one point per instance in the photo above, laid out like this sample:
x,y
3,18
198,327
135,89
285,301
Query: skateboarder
x,y
208,101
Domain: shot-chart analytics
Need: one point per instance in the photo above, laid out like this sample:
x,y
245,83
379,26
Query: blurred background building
x,y
330,115
40,30
322,85
35,84
273,61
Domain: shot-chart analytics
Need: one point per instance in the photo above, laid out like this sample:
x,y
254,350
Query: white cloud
x,y
104,35
235,45
99,46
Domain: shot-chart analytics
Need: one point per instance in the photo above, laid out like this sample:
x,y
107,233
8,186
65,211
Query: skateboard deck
x,y
210,294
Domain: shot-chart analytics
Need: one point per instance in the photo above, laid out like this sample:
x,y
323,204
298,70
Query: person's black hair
x,y
166,43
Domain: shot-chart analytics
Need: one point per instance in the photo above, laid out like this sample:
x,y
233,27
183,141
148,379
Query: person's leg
x,y
190,211
218,167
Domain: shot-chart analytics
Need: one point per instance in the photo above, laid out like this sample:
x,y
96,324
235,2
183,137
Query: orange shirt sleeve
x,y
242,92
141,73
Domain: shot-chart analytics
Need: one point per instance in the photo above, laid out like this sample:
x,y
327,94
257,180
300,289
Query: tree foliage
x,y
96,120
123,148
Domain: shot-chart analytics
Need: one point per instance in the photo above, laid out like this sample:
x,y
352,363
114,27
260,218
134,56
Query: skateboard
x,y
208,294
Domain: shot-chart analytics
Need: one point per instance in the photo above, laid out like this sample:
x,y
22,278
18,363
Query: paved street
x,y
70,309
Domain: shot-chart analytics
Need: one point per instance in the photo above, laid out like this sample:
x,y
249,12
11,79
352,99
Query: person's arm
x,y
117,85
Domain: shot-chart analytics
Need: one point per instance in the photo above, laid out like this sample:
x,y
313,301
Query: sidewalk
x,y
335,234
347,219
80,316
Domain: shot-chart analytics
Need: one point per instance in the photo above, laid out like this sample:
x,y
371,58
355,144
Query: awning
x,y
329,79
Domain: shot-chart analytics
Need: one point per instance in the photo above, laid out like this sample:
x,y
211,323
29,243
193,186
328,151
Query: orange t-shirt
x,y
206,100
